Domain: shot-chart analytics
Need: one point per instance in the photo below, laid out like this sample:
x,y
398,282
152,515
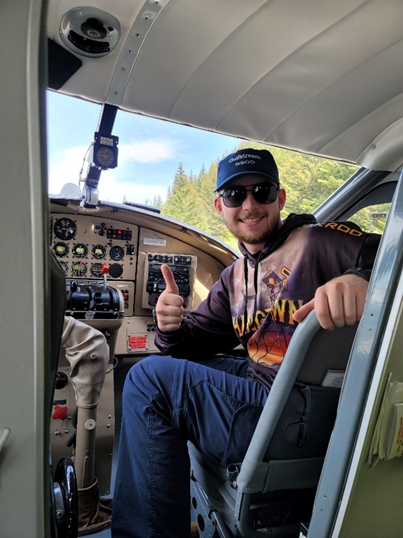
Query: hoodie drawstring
x,y
245,309
255,277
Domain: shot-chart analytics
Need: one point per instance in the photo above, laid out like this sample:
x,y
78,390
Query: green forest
x,y
308,182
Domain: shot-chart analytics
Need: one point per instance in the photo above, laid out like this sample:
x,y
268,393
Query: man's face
x,y
252,222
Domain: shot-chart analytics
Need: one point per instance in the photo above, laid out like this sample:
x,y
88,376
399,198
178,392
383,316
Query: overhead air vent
x,y
90,31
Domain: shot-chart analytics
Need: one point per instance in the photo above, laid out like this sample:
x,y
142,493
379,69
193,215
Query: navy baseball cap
x,y
247,161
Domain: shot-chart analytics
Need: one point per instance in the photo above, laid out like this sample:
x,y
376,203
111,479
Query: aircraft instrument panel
x,y
84,245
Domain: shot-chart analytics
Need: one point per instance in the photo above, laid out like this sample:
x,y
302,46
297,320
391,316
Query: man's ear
x,y
218,205
281,198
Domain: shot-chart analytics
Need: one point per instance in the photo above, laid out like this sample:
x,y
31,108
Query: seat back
x,y
282,465
298,417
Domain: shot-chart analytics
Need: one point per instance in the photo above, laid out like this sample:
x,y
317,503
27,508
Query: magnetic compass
x,y
105,157
105,151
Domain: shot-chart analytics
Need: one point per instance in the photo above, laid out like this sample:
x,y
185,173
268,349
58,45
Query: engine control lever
x,y
105,271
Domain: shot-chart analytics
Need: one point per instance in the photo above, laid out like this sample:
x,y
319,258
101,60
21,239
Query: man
x,y
288,269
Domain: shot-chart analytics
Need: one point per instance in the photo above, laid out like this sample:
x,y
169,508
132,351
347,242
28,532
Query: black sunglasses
x,y
263,193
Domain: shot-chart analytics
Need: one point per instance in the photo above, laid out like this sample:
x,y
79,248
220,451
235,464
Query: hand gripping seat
x,y
272,491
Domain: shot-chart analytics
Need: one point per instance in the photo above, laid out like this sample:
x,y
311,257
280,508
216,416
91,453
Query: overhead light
x,y
89,31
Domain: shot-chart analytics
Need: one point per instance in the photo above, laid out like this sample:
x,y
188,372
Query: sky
x,y
150,150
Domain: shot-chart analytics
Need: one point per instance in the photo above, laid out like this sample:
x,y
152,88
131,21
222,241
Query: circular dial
x,y
98,251
96,269
61,249
105,156
80,250
78,269
65,229
65,266
116,253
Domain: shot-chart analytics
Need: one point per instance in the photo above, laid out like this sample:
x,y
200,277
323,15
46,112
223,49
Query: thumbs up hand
x,y
169,308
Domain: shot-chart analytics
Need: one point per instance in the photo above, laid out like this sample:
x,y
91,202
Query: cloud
x,y
148,151
65,168
67,164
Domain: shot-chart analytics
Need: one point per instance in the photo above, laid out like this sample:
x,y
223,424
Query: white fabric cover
x,y
321,77
88,355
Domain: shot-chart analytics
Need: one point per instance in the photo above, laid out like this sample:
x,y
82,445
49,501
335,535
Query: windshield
x,y
150,150
171,166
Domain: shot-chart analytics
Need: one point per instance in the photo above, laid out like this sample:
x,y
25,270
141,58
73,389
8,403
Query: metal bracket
x,y
4,432
90,197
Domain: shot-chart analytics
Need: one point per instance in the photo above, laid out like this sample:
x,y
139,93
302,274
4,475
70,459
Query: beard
x,y
252,237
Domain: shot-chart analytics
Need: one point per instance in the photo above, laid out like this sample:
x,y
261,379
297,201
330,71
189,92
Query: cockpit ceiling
x,y
319,76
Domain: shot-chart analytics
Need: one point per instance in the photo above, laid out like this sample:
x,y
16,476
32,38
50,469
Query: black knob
x,y
115,270
61,380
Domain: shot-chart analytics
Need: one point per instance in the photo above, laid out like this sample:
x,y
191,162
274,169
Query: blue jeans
x,y
167,402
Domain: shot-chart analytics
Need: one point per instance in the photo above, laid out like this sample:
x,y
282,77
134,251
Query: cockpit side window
x,y
372,211
372,219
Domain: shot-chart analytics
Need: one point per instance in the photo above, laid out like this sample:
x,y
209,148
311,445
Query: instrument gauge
x,y
79,250
61,249
78,269
98,251
105,156
65,229
96,269
116,253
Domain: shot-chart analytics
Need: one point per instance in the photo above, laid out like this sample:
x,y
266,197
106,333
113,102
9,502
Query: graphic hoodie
x,y
253,301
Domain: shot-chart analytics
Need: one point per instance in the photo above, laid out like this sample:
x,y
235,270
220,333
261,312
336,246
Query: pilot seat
x,y
271,492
